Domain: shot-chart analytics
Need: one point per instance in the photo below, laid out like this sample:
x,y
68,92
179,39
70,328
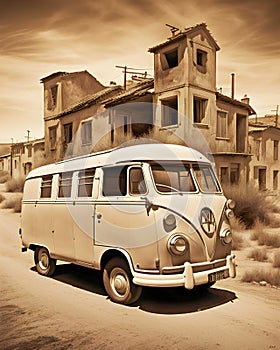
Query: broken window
x,y
169,111
52,97
275,149
52,137
68,133
201,60
222,124
86,133
172,58
199,108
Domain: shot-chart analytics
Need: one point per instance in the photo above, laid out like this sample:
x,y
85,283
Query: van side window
x,y
46,186
137,183
85,182
114,181
206,179
65,184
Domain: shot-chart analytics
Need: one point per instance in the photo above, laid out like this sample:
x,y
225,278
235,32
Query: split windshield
x,y
181,177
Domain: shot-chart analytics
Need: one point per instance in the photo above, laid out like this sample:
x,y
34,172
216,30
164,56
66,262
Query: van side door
x,y
121,217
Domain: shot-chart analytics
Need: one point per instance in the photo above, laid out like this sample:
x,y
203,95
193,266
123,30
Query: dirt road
x,y
71,310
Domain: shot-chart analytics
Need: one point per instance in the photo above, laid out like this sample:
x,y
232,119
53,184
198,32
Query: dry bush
x,y
252,205
269,239
4,176
15,185
270,276
237,241
2,198
258,254
258,230
276,259
12,203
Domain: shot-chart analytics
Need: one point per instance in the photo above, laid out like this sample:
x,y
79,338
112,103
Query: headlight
x,y
229,213
177,244
169,222
230,204
226,236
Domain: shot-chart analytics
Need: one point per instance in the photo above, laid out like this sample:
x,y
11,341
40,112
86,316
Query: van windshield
x,y
178,177
173,177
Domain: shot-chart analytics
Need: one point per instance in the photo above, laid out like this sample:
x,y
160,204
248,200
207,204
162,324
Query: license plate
x,y
216,276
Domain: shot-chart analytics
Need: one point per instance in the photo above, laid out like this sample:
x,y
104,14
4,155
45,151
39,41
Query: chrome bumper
x,y
187,278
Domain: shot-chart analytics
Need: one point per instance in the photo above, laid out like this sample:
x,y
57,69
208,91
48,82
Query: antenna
x,y
172,29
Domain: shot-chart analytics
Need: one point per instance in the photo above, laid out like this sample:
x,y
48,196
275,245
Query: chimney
x,y
232,84
246,100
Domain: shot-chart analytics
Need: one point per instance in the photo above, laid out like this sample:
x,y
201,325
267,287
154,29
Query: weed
x,y
15,185
258,254
252,206
12,203
270,276
269,239
276,259
237,241
4,176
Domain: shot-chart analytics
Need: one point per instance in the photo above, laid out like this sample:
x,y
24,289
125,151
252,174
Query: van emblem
x,y
207,221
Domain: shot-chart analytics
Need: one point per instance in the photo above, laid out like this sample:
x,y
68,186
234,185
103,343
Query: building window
x,y
169,111
275,149
258,149
68,133
275,179
234,174
172,58
15,164
29,148
46,186
52,137
201,60
85,183
199,109
224,175
65,185
52,97
86,133
222,124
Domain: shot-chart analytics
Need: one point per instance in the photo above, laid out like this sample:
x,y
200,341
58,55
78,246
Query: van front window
x,y
206,179
172,177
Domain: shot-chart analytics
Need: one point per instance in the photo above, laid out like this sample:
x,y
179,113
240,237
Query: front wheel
x,y
118,283
45,265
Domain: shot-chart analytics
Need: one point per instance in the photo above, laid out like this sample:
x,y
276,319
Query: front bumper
x,y
188,278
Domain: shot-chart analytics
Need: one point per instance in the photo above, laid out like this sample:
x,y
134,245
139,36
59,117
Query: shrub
x,y
15,185
269,239
4,176
13,203
270,276
258,254
252,205
237,241
276,259
258,230
2,198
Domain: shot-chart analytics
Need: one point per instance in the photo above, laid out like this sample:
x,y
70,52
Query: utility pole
x,y
11,164
276,115
28,138
127,70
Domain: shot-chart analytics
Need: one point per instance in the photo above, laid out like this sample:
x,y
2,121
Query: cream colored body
x,y
87,230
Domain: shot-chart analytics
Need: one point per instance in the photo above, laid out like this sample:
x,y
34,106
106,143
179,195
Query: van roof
x,y
141,152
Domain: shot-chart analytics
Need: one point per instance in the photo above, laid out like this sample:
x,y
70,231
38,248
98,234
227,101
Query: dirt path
x,y
71,310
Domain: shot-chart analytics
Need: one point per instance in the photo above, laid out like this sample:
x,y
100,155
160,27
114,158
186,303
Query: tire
x,y
45,265
118,283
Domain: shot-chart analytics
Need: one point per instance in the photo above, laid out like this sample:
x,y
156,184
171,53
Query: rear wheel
x,y
118,283
45,265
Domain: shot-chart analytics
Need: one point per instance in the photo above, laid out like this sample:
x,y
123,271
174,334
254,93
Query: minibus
x,y
145,215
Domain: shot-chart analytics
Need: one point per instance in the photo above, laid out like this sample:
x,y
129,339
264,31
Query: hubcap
x,y
119,282
44,261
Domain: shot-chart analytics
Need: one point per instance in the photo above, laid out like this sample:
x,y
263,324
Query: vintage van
x,y
146,215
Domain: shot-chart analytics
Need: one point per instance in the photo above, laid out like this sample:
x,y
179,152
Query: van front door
x,y
121,217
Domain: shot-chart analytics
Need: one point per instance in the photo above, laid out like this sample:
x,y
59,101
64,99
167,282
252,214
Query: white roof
x,y
142,152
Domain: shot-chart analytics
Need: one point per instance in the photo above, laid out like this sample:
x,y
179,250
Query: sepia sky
x,y
38,38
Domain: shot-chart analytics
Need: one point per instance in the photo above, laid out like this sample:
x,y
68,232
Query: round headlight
x,y
177,244
169,222
230,204
226,236
229,213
